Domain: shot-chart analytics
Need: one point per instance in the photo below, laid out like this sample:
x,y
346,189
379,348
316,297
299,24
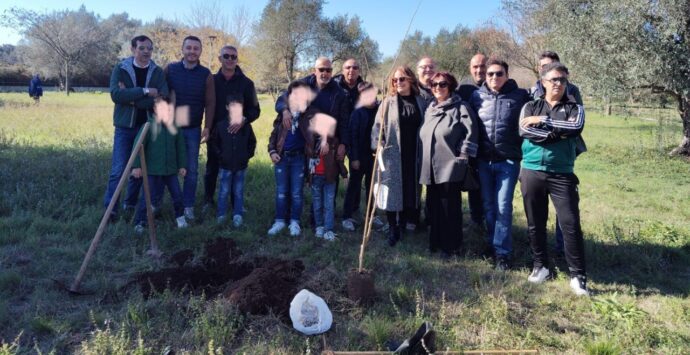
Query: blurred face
x,y
496,77
401,82
544,62
142,52
228,59
191,51
426,68
351,71
440,89
554,84
478,68
323,71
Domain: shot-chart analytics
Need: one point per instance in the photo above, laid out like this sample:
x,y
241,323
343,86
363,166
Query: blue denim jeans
x,y
497,180
323,200
122,148
289,173
192,139
231,181
157,184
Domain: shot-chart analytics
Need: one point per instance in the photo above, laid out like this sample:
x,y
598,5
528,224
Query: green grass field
x,y
54,161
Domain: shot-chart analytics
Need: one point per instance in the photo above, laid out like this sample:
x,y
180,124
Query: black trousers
x,y
211,175
353,194
537,187
445,214
474,198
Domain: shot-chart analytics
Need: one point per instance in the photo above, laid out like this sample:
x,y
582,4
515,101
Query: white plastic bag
x,y
310,314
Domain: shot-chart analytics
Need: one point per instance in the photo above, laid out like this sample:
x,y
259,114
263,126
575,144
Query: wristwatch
x,y
146,91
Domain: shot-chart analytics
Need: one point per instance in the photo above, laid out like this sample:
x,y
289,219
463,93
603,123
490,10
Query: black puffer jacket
x,y
499,115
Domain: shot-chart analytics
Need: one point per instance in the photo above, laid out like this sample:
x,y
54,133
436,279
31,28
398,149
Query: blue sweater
x,y
190,89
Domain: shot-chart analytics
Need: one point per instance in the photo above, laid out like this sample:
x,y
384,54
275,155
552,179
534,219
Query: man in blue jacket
x,y
193,87
134,83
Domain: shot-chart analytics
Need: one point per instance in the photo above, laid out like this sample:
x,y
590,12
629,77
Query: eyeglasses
x,y
230,56
327,70
441,84
558,80
401,79
353,67
497,74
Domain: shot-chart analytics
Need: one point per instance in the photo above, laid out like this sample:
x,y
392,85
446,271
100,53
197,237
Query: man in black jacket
x,y
231,85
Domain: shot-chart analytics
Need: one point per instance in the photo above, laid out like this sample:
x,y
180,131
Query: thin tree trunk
x,y
684,110
67,77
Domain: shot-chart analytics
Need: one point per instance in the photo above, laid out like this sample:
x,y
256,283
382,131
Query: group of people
x,y
430,131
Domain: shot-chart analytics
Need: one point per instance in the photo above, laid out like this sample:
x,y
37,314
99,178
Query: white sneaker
x,y
319,232
181,222
237,221
139,229
349,225
330,236
294,228
220,219
538,275
410,227
579,285
189,213
276,227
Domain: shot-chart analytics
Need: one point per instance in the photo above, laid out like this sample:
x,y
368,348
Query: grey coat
x,y
389,193
449,137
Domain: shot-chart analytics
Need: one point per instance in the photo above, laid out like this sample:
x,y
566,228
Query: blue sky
x,y
384,20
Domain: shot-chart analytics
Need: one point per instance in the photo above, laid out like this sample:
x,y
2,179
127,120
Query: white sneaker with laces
x,y
220,219
181,222
410,227
139,229
349,225
295,229
330,236
538,275
189,213
276,227
319,232
579,286
237,221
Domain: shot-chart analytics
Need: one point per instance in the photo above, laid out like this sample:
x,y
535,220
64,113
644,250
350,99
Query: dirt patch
x,y
255,285
269,287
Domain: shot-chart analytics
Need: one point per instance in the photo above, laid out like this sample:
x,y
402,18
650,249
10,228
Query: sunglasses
x,y
327,70
353,67
559,80
229,56
401,79
498,74
441,84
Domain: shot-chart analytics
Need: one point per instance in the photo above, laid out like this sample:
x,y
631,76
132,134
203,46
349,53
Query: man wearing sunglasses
x,y
194,92
536,92
349,79
134,83
231,85
498,103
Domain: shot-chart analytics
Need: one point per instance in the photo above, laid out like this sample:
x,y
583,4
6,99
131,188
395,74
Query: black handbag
x,y
471,180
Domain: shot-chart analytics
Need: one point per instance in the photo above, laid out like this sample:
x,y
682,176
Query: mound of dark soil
x,y
254,285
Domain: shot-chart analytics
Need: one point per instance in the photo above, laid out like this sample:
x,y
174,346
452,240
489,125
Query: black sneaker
x,y
393,235
502,264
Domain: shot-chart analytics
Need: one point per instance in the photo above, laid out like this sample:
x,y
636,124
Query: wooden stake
x,y
153,251
106,216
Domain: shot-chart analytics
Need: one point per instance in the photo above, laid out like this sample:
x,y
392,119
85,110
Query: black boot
x,y
393,235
